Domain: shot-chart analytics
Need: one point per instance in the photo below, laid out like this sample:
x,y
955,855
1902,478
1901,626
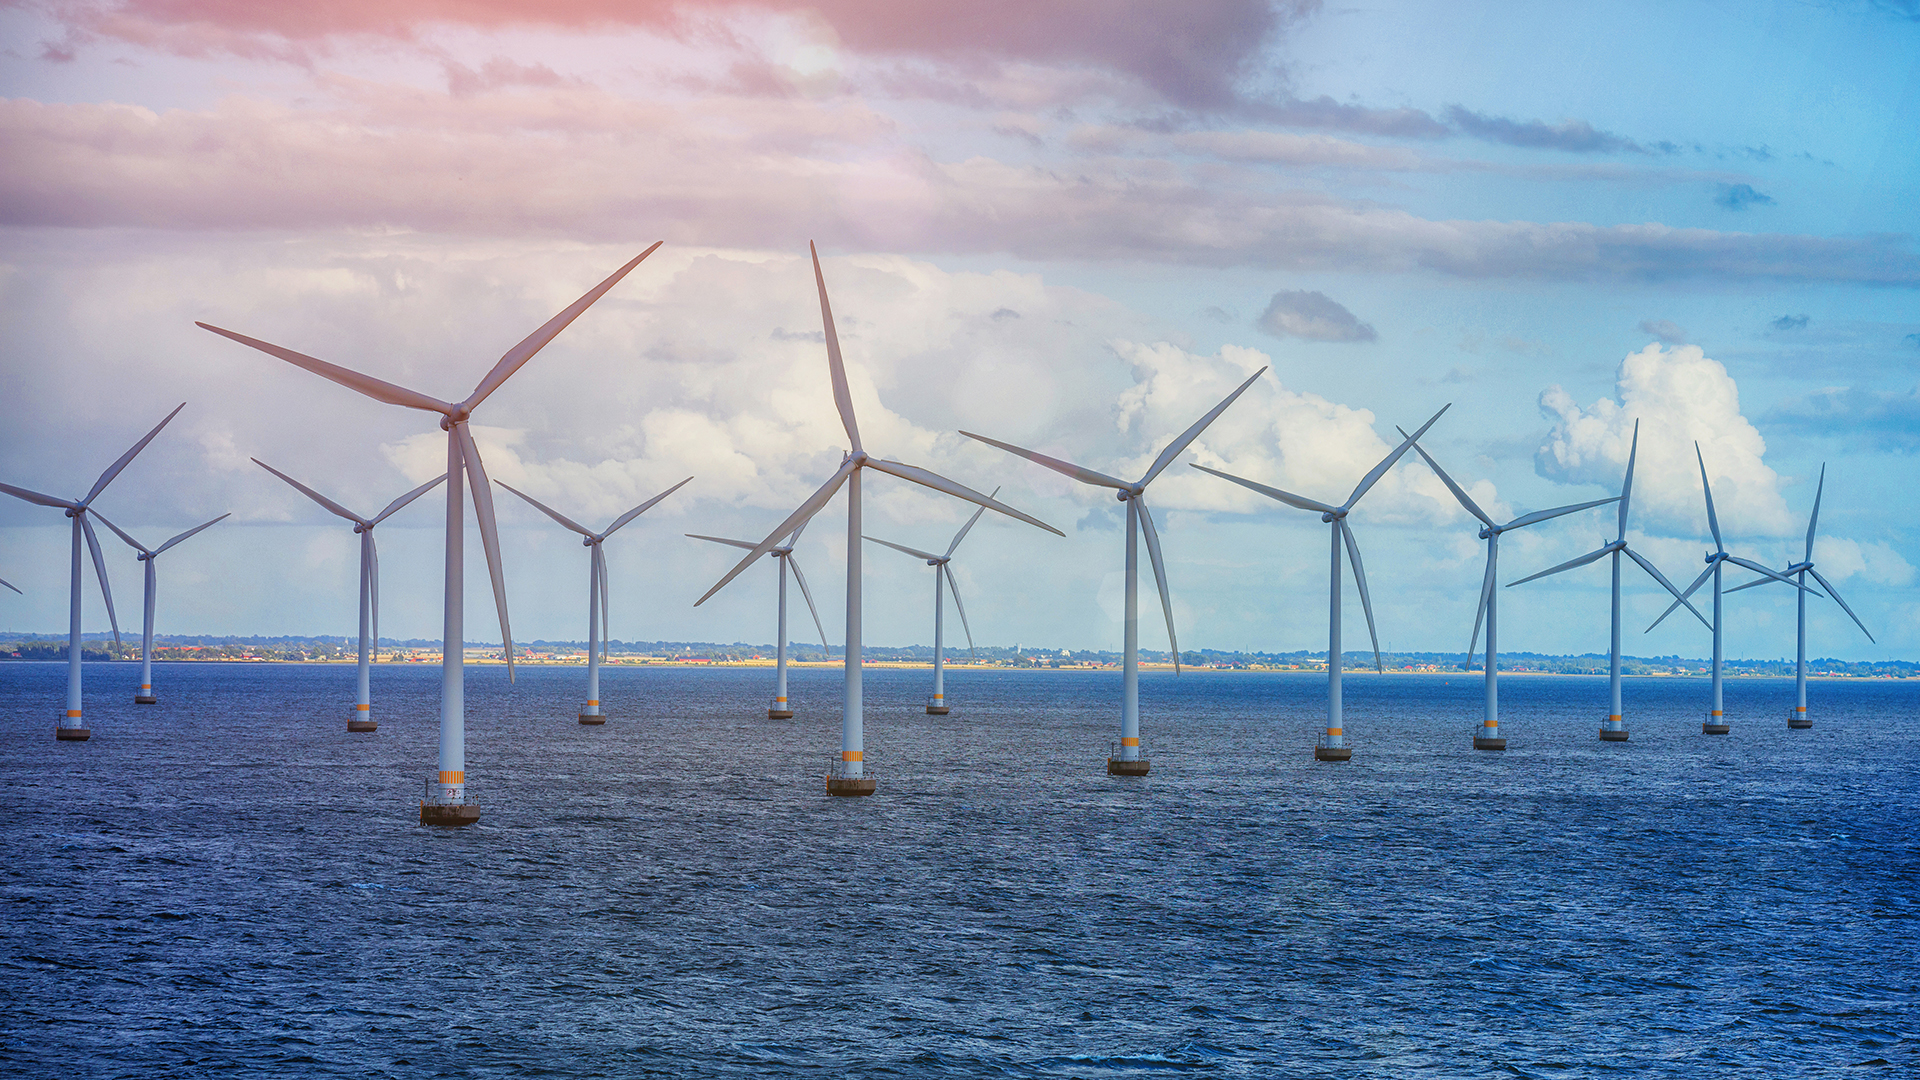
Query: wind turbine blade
x,y
795,538
510,361
1538,516
806,510
1814,518
1765,581
1835,593
10,585
968,527
403,500
959,491
954,587
100,571
915,552
489,533
1066,468
748,544
377,389
1626,484
642,508
1360,580
1568,565
1297,501
1713,519
1682,598
1668,585
303,489
836,368
188,533
1480,612
1386,463
113,470
1178,445
373,579
556,515
1758,569
1159,577
1458,493
122,534
800,579
600,556
36,497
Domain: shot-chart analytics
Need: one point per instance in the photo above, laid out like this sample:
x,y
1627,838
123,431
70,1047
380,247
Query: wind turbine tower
x,y
1614,729
1798,719
446,800
147,555
1333,745
362,719
942,580
1489,737
72,726
1139,523
781,707
592,713
848,775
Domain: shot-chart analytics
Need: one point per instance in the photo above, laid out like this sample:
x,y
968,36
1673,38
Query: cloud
x,y
1874,562
1741,196
1664,330
1875,420
1679,396
1313,316
1575,136
1789,322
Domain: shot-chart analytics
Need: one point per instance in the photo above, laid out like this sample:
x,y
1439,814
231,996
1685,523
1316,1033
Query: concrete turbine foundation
x,y
1798,719
1489,737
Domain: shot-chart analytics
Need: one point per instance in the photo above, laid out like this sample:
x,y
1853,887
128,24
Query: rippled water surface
x,y
229,884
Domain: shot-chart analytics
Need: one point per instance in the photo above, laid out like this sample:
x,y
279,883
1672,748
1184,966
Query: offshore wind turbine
x,y
1716,721
445,801
1489,737
781,707
10,585
362,719
937,704
1799,571
72,726
1333,745
1139,523
1614,729
849,774
591,712
148,556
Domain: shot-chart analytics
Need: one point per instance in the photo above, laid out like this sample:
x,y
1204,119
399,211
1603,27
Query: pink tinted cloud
x,y
1192,54
759,172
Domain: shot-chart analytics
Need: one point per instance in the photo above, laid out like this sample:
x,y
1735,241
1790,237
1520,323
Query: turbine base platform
x,y
1609,735
1715,729
1799,723
593,719
1136,767
145,699
851,786
72,734
1342,753
1480,743
937,710
450,816
363,725
779,714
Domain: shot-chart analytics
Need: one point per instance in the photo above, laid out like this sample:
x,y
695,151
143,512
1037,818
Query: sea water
x,y
229,884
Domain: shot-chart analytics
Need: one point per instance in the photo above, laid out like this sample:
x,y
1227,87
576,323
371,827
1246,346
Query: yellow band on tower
x,y
849,755
593,703
1799,708
364,708
1490,723
1335,731
449,777
1716,712
1615,717
146,686
1129,742
73,712
781,700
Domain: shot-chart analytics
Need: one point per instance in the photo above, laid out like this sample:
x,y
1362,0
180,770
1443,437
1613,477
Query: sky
x,y
1070,225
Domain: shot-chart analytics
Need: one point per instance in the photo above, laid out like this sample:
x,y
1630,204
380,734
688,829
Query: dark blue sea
x,y
228,884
